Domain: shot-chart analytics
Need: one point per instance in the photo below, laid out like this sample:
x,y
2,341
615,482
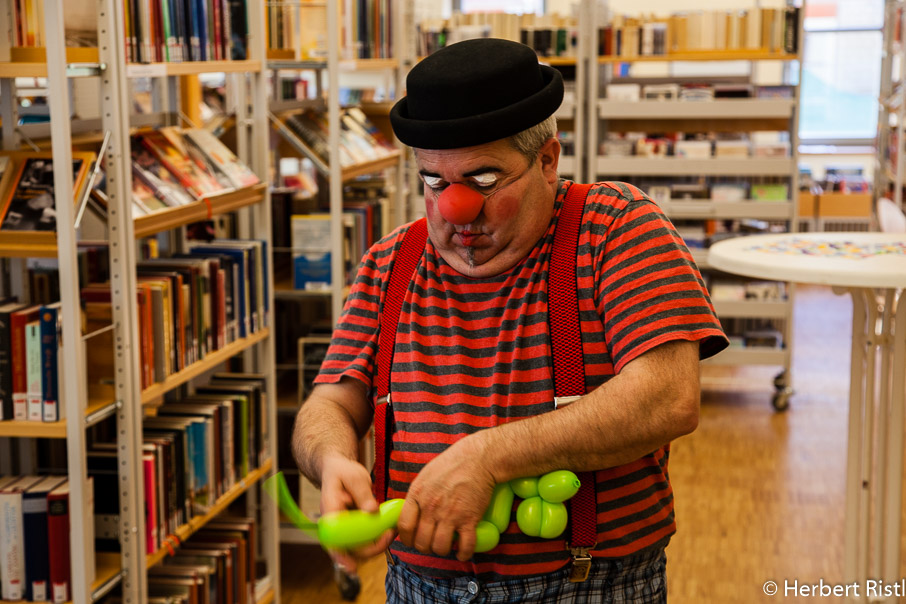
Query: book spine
x,y
12,555
151,529
20,376
58,545
6,376
168,39
34,522
33,370
50,350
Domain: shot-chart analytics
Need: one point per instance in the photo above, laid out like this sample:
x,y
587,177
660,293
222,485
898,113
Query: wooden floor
x,y
759,494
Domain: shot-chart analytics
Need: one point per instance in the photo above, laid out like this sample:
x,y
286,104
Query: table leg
x,y
896,386
874,467
854,477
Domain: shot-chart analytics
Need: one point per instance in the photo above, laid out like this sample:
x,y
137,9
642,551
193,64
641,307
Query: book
x,y
33,369
168,146
221,157
152,180
52,407
19,355
29,205
311,251
12,538
37,553
6,373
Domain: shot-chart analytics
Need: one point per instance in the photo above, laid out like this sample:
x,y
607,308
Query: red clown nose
x,y
459,204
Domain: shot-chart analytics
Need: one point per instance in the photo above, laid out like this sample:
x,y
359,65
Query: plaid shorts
x,y
641,579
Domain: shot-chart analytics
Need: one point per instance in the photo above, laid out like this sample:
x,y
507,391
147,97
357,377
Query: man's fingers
x,y
408,521
465,541
424,535
363,498
378,547
443,539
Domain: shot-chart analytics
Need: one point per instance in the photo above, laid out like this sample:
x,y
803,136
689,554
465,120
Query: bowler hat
x,y
474,92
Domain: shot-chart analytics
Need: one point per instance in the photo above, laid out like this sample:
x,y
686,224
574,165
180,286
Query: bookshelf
x,y
890,171
318,309
95,574
709,189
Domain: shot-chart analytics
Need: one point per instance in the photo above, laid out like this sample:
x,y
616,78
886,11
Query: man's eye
x,y
434,183
485,181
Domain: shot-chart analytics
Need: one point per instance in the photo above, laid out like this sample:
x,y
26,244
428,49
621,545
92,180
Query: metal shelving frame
x,y
94,575
747,114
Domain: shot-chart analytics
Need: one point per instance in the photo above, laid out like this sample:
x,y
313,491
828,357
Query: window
x,y
841,71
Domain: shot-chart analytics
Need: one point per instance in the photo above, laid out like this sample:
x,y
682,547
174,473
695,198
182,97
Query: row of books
x,y
551,34
360,140
173,167
721,192
758,29
156,30
365,28
216,566
195,449
311,242
697,91
170,167
192,304
34,538
29,370
617,144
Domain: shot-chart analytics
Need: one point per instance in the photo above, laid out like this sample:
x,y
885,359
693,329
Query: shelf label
x,y
153,70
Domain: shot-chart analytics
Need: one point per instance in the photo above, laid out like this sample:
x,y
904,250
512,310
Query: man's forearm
x,y
325,427
626,418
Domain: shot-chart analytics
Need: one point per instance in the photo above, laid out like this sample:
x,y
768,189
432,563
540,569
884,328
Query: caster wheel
x,y
781,399
780,380
349,585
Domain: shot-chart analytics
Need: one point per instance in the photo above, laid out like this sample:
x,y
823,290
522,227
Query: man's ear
x,y
549,156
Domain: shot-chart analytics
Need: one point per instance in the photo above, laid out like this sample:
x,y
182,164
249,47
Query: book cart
x,y
771,313
94,575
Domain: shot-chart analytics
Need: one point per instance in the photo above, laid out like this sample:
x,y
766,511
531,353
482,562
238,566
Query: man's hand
x,y
446,501
346,485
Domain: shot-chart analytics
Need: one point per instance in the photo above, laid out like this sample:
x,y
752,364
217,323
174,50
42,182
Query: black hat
x,y
474,92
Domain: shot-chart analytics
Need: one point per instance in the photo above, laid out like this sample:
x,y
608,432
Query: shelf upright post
x,y
403,61
337,274
115,103
73,363
257,146
587,76
8,108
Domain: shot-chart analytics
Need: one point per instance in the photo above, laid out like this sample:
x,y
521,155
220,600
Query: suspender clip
x,y
562,401
382,400
581,564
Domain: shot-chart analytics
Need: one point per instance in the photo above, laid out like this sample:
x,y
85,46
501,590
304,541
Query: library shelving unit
x,y
890,171
327,71
95,574
720,115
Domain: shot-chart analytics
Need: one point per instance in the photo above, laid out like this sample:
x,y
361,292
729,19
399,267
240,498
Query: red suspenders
x,y
566,348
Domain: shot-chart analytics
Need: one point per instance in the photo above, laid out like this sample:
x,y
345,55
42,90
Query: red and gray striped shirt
x,y
475,353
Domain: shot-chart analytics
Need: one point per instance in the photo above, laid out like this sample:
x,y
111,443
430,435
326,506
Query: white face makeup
x,y
483,180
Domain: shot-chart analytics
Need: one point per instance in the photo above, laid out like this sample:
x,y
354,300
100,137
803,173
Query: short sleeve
x,y
649,290
353,345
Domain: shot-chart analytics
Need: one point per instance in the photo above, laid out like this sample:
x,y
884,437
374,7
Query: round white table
x,y
871,267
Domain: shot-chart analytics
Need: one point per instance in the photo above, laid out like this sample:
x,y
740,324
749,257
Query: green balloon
x,y
539,518
501,507
525,487
486,536
553,519
558,486
349,529
528,516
